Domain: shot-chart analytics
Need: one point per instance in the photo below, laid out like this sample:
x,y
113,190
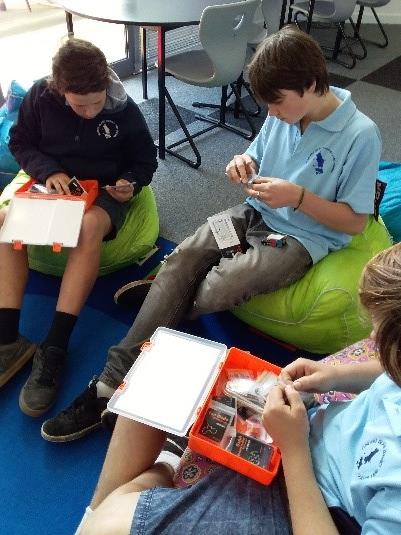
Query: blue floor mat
x,y
45,487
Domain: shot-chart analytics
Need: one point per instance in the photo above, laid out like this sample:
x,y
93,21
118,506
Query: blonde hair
x,y
380,294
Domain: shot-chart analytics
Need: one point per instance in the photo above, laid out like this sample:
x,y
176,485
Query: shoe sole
x,y
31,412
6,376
122,296
69,438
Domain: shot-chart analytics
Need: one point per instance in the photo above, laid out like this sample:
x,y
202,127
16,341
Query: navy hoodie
x,y
49,137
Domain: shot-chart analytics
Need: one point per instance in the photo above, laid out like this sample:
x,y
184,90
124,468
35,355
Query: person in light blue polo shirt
x,y
341,461
316,160
331,159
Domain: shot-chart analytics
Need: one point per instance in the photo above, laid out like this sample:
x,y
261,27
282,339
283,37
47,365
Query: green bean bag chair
x,y
135,239
321,312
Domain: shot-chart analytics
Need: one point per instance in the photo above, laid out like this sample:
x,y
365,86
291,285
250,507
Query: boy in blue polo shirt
x,y
341,461
316,160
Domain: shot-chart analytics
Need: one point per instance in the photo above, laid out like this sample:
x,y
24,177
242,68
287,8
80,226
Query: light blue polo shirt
x,y
356,453
336,158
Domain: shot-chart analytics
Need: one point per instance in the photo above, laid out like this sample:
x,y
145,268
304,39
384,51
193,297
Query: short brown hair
x,y
288,59
380,294
79,67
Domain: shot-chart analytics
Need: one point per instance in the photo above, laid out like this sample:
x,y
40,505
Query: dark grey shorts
x,y
117,212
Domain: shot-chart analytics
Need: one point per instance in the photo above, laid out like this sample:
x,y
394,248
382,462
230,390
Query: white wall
x,y
389,14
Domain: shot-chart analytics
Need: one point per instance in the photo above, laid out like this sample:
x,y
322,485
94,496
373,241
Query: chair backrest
x,y
223,32
271,10
343,10
331,10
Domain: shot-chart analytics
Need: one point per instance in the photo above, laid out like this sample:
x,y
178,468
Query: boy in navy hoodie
x,y
79,122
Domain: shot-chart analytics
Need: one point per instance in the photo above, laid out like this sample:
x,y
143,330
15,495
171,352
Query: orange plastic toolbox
x,y
170,387
239,360
91,192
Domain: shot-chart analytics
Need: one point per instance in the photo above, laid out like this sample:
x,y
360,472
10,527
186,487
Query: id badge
x,y
225,235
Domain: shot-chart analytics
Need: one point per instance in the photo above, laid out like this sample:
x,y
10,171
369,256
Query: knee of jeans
x,y
218,291
182,255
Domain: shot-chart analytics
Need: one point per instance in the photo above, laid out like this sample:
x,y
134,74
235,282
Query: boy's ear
x,y
312,88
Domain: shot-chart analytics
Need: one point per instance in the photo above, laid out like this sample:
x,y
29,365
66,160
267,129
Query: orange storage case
x,y
91,192
236,359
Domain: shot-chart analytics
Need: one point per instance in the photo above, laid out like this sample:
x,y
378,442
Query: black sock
x,y
60,330
9,323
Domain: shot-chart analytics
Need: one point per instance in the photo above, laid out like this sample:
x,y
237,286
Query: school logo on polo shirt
x,y
323,160
370,458
107,128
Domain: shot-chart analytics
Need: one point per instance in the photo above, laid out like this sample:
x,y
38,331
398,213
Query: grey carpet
x,y
150,110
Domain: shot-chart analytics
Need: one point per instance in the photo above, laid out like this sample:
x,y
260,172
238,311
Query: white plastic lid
x,y
169,381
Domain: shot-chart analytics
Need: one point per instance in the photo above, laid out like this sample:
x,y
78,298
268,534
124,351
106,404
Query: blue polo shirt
x,y
336,158
356,453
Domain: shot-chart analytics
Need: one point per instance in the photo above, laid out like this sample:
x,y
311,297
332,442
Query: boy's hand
x,y
58,182
309,376
123,191
285,419
275,192
240,168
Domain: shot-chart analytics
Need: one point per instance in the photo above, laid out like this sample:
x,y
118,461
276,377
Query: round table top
x,y
141,12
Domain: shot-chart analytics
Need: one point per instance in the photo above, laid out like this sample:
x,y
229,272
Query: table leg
x,y
282,14
70,26
310,15
144,62
161,81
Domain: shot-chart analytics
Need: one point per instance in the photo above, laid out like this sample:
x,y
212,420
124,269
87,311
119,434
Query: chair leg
x,y
348,47
222,121
144,63
242,83
188,137
381,45
358,37
234,109
358,26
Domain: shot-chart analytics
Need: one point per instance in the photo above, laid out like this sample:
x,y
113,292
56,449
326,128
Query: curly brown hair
x,y
288,59
380,294
79,67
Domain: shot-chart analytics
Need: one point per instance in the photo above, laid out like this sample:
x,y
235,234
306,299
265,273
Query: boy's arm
x,y
285,419
277,193
310,376
139,151
335,215
308,510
